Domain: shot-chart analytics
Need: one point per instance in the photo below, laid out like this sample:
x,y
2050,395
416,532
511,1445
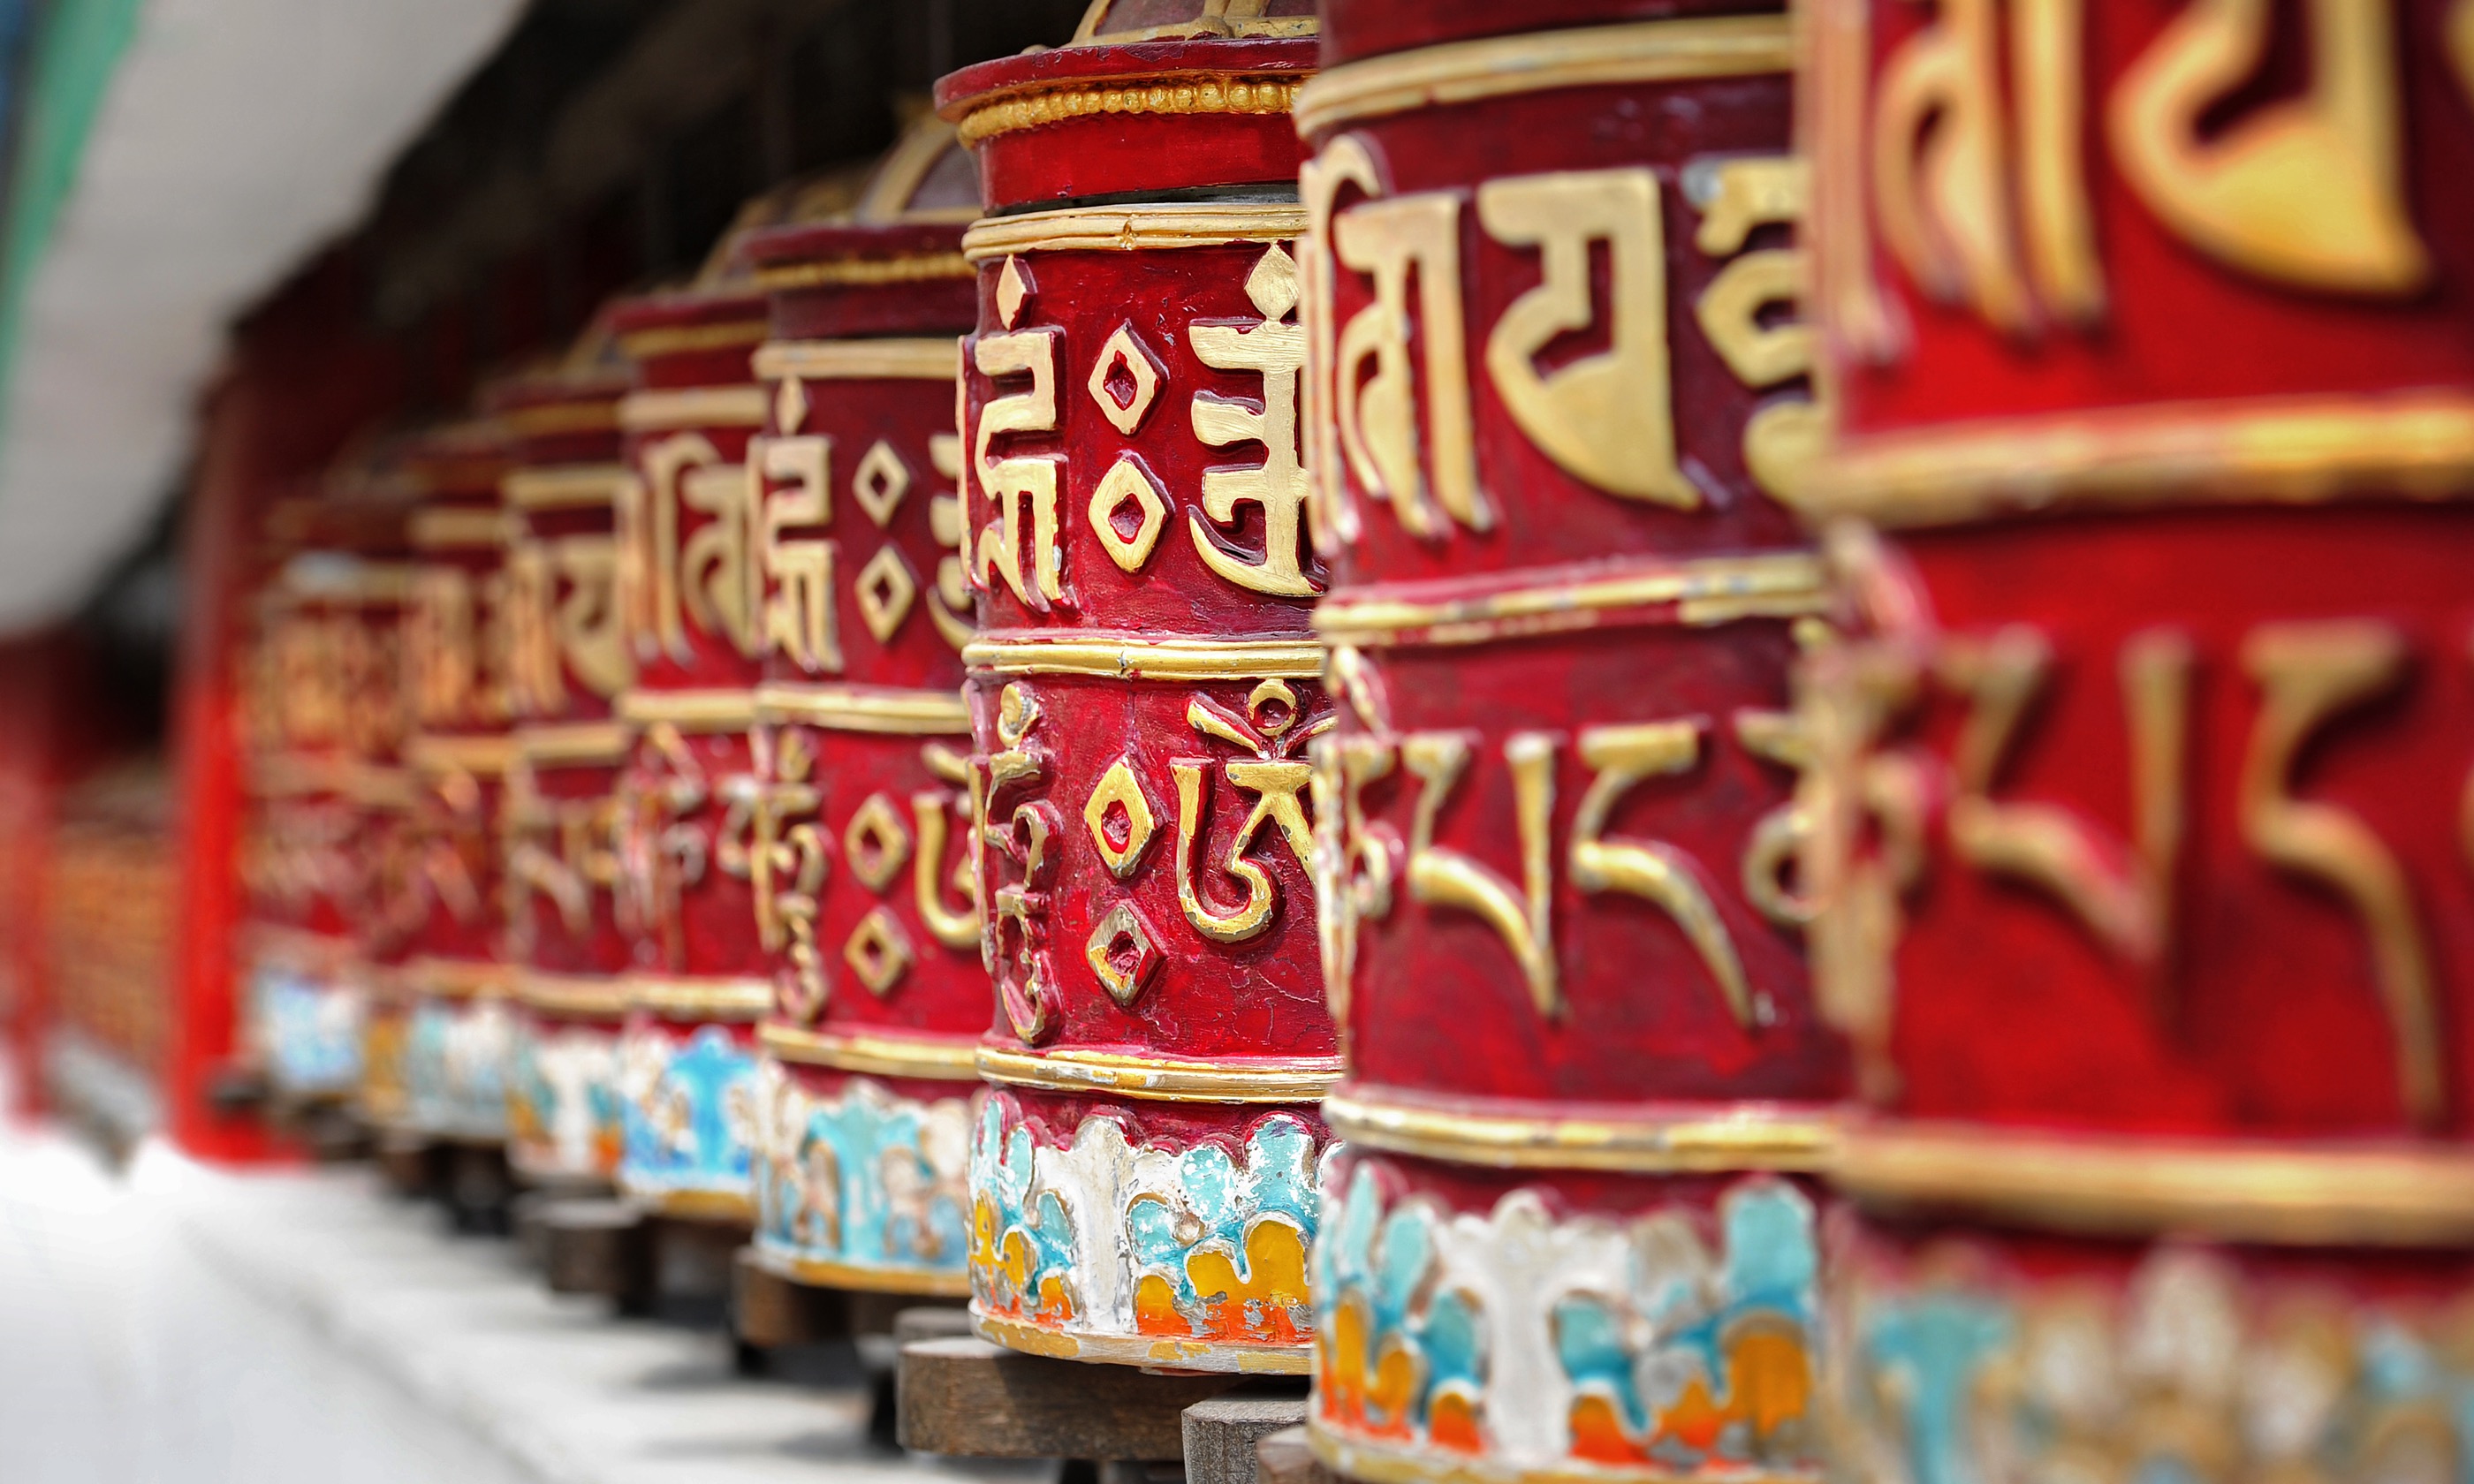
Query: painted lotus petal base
x,y
861,1182
564,1120
688,1110
309,1030
455,1060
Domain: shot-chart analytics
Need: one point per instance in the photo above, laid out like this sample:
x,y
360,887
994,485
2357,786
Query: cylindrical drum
x,y
1144,1163
858,826
442,881
688,595
2140,806
1555,376
568,660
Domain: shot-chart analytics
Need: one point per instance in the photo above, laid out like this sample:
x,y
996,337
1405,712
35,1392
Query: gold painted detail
x,y
693,407
2378,1196
1133,228
1149,659
1713,590
1460,72
859,708
864,271
674,340
819,1273
1183,94
1692,1140
823,360
575,996
678,998
1163,1079
566,487
876,1056
574,743
690,711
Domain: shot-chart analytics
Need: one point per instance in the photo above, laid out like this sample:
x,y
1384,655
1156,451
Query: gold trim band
x,y
818,1273
676,997
457,978
584,417
924,360
566,487
875,1056
855,709
2300,450
693,407
1224,93
2391,1195
1380,1462
1746,1138
1145,1349
690,710
1161,1079
574,743
434,752
287,774
460,530
346,581
572,996
1150,659
1657,51
866,271
1133,228
1711,590
675,338
724,1208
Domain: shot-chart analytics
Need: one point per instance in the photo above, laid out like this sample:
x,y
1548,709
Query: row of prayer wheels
x,y
1696,742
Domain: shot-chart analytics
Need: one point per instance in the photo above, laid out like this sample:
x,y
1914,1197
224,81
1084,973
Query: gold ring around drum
x,y
669,409
866,271
1377,1462
1183,93
439,752
878,1056
1145,1349
1134,228
1659,1143
677,997
1161,1079
921,360
819,1273
676,338
856,709
572,996
690,1205
1711,590
573,743
461,530
1656,51
690,711
566,487
1150,659
2372,1195
2418,444
456,978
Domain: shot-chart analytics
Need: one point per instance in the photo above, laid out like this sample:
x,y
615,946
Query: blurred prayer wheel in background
x,y
688,594
857,822
1144,1172
439,880
2139,794
1558,390
568,660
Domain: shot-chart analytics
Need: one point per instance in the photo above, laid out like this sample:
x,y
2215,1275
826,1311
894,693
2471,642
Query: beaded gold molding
x,y
1221,93
1133,228
1657,51
1163,1079
1706,591
877,1056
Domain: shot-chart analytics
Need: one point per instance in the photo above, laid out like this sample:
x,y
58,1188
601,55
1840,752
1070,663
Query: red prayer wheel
x,y
440,882
689,597
2137,808
1557,379
857,817
1144,1171
568,661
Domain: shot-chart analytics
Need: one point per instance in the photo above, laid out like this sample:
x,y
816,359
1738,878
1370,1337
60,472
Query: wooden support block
x,y
916,1320
1284,1457
596,1246
965,1395
410,1164
768,1309
1222,1432
478,1187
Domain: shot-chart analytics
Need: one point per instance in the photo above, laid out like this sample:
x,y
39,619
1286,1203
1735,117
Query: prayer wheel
x,y
688,592
1144,1165
2138,811
439,880
1559,397
857,815
568,662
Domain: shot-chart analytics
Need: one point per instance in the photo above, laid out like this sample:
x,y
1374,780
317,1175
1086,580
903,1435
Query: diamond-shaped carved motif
x,y
1121,952
880,482
790,405
879,951
883,591
1273,285
875,842
1128,479
1120,791
1014,287
1125,379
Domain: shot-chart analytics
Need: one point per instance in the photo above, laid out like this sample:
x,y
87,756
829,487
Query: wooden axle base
x,y
1286,1457
768,1310
613,1247
469,1178
962,1395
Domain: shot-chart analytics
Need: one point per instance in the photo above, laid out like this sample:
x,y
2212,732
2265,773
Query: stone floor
x,y
171,1322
